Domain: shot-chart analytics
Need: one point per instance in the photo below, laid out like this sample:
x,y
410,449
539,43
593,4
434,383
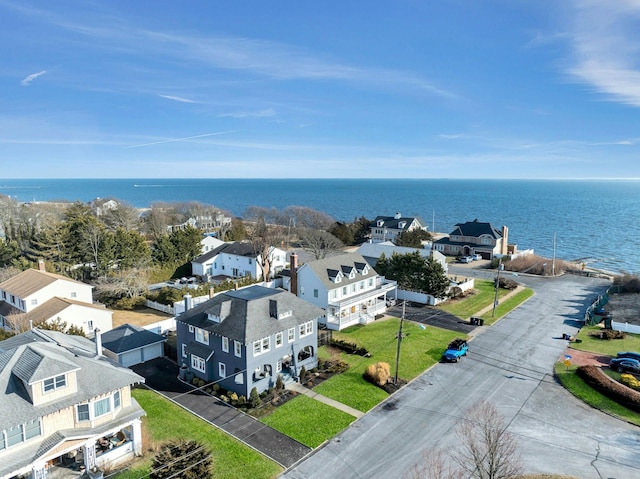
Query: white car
x,y
466,259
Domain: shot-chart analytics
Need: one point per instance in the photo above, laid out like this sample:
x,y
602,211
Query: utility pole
x,y
553,261
399,341
495,299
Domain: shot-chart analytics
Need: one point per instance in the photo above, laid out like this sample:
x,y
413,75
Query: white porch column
x,y
89,450
39,470
136,434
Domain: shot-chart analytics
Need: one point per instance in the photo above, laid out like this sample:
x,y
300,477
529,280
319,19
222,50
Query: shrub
x,y
254,397
303,373
378,373
351,348
629,283
279,383
233,396
598,380
630,380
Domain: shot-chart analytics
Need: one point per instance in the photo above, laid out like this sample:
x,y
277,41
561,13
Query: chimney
x,y
41,265
211,292
397,216
98,340
293,267
505,240
188,302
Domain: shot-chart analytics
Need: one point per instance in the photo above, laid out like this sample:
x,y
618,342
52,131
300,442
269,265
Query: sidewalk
x,y
299,388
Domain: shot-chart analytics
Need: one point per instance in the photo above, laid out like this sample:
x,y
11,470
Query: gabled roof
x,y
32,280
394,222
246,314
325,269
128,337
209,254
36,355
56,305
476,229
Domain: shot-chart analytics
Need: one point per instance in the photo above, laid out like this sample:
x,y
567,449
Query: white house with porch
x,y
345,286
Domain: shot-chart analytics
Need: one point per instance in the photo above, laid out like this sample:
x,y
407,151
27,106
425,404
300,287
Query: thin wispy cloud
x,y
186,138
27,81
177,98
605,38
249,114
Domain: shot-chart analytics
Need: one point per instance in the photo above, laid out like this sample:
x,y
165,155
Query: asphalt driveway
x,y
431,317
161,375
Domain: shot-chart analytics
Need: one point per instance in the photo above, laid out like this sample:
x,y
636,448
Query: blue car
x,y
629,354
625,365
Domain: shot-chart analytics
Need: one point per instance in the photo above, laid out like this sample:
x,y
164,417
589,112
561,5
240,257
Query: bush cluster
x,y
377,373
630,380
608,334
350,348
598,380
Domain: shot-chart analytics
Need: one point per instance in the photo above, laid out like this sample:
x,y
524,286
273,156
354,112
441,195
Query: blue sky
x,y
418,89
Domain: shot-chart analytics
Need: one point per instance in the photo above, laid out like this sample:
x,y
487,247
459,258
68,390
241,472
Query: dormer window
x,y
52,384
352,274
380,223
402,224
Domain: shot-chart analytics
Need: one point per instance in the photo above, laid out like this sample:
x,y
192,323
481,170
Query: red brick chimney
x,y
293,267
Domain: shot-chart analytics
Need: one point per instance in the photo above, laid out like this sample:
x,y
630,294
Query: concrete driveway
x,y
510,364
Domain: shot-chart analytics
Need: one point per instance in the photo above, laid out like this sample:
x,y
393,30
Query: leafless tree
x,y
264,238
305,217
433,466
318,242
124,283
486,449
122,216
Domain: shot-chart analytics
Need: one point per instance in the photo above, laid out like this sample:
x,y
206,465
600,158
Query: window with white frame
x,y
225,344
222,370
198,363
202,336
315,293
17,434
191,328
82,411
361,284
73,294
90,325
309,327
237,349
34,302
279,339
116,400
261,346
344,290
334,294
54,383
184,350
370,282
102,407
291,335
279,366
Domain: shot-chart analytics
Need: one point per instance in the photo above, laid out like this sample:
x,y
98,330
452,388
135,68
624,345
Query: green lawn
x,y
308,421
507,305
421,348
609,347
584,392
166,421
483,297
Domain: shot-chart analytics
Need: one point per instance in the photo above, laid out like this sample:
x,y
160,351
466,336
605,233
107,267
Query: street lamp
x,y
399,341
495,299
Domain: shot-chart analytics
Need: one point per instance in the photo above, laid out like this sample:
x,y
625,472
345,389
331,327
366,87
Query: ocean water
x,y
595,219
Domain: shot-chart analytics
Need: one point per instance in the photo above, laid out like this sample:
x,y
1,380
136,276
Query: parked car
x,y
465,259
476,257
623,365
629,354
456,350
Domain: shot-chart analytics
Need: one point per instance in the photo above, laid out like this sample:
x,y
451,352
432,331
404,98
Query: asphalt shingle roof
x,y
246,314
128,337
326,269
32,280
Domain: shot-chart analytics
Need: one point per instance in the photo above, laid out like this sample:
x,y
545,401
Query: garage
x,y
129,344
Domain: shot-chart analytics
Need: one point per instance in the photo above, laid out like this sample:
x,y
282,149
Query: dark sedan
x,y
625,365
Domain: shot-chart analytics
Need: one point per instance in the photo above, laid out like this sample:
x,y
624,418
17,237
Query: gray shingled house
x,y
65,407
245,338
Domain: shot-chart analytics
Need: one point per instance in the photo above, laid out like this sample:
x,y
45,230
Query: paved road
x,y
510,364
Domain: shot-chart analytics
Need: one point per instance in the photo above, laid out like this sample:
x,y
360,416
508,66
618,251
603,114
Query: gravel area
x,y
624,308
